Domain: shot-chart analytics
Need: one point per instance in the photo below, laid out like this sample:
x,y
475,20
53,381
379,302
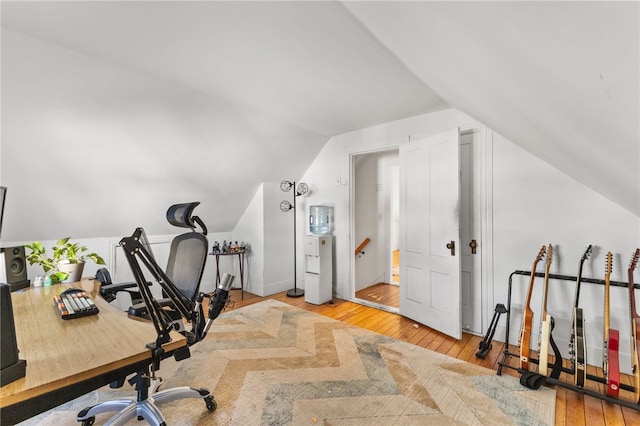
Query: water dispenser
x,y
320,219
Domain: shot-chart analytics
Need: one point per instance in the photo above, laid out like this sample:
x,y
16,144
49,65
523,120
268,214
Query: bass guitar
x,y
577,343
610,361
527,316
635,330
545,327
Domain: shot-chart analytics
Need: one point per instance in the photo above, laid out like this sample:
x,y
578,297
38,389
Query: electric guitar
x,y
635,330
545,327
610,361
577,343
527,316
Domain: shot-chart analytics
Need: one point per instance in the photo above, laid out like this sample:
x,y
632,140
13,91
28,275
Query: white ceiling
x,y
558,78
561,79
306,63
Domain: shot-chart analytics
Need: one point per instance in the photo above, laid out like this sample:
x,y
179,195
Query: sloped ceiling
x,y
241,92
560,79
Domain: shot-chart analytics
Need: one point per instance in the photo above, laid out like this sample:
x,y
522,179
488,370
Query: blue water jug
x,y
320,219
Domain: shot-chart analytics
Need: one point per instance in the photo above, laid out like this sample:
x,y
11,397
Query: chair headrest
x,y
181,215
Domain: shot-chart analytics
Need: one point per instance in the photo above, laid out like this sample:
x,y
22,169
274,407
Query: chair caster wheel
x,y
211,403
89,421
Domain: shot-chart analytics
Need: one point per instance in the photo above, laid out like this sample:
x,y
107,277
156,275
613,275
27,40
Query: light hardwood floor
x,y
571,408
385,294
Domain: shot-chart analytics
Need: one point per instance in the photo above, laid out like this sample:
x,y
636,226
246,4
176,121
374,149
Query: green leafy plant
x,y
63,251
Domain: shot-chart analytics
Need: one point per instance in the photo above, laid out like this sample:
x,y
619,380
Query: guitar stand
x,y
485,344
534,380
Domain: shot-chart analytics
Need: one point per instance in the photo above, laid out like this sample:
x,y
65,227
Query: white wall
x,y
250,229
535,204
269,232
368,269
532,204
278,238
372,205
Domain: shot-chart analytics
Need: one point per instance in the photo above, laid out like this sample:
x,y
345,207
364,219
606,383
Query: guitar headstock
x,y
549,255
539,257
588,251
609,265
634,260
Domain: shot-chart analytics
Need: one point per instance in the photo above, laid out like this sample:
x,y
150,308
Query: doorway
x,y
376,228
375,216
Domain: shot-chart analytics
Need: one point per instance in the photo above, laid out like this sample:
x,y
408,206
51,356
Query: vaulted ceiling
x,y
262,86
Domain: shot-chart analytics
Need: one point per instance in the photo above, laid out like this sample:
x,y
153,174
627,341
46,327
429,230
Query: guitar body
x,y
557,365
545,325
527,316
635,359
525,338
613,367
577,341
543,366
635,329
580,349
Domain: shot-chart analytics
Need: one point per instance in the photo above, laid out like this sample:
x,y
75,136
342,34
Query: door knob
x,y
474,245
452,246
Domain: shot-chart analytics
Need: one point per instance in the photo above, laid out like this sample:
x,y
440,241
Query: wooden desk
x,y
240,255
69,358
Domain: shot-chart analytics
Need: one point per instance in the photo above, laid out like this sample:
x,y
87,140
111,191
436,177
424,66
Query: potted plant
x,y
67,262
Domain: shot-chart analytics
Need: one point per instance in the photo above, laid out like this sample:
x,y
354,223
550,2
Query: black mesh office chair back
x,y
187,258
185,265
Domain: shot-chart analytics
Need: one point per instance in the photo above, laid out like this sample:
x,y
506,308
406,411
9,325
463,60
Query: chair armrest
x,y
109,291
140,309
114,288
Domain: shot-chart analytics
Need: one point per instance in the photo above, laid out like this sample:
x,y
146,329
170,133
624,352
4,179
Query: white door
x,y
470,225
429,232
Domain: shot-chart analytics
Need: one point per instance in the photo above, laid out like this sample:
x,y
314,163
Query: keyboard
x,y
74,303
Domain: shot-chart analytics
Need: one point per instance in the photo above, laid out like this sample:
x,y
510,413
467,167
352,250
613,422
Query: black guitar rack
x,y
552,381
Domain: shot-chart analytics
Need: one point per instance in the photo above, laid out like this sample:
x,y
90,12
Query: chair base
x,y
147,409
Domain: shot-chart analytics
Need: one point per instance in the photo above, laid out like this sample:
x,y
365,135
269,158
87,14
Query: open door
x,y
429,232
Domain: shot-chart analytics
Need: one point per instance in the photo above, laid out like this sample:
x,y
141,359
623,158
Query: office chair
x,y
185,266
182,303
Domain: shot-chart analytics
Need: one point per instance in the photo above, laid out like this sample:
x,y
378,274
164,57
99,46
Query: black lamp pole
x,y
295,291
285,206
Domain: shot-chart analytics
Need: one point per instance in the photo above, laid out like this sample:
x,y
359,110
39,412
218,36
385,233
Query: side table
x,y
240,255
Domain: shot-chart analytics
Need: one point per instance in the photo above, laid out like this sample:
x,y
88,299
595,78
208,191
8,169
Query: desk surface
x,y
62,353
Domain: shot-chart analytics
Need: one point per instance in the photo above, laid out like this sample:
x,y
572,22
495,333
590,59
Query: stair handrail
x,y
361,246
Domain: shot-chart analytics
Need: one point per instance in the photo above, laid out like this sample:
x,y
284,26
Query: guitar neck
x,y
607,324
546,282
584,257
527,302
632,299
576,298
607,285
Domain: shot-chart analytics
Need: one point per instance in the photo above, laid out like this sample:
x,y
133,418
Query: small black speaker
x,y
13,267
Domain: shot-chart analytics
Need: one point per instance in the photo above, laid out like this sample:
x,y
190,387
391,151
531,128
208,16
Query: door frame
x,y
485,210
391,145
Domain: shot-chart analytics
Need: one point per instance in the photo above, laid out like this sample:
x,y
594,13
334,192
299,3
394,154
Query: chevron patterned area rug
x,y
274,364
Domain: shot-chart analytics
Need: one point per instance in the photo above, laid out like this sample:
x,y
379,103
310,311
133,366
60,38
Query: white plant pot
x,y
73,269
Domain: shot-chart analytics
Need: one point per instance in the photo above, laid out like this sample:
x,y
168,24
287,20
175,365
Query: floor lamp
x,y
285,206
